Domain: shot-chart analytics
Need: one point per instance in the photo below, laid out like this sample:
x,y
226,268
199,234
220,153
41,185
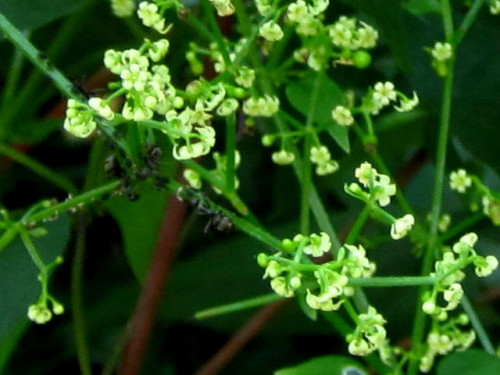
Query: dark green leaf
x,y
29,14
33,131
326,365
329,95
139,222
19,287
470,362
419,7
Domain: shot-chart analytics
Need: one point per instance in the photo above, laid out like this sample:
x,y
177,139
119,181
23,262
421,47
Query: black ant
x,y
217,222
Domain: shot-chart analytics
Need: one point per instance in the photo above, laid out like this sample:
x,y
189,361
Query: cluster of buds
x,y
461,181
379,185
449,273
348,38
369,335
40,312
152,16
383,94
326,285
264,106
446,337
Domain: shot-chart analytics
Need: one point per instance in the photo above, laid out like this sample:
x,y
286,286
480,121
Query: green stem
x,y
13,77
36,57
392,281
478,326
358,225
75,202
237,306
219,39
230,151
469,19
30,246
461,227
38,168
447,15
82,348
433,240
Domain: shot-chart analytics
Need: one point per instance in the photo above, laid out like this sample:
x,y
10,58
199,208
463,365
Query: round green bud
x,y
193,89
267,140
288,245
262,260
190,56
250,122
361,59
235,92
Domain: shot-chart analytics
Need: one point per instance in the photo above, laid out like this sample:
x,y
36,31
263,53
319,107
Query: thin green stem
x,y
75,202
477,325
447,15
462,226
433,240
13,77
82,348
237,306
217,34
392,281
469,19
36,57
30,246
230,151
38,168
358,225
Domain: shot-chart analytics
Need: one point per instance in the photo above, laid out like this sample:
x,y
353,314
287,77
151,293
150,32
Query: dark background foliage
x,y
212,270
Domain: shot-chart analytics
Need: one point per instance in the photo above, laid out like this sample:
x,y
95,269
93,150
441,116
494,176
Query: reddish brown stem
x,y
240,339
141,322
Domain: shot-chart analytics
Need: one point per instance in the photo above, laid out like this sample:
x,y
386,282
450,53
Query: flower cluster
x,y
271,31
379,185
321,42
326,285
320,156
449,273
151,16
352,34
369,335
383,94
40,312
79,119
444,338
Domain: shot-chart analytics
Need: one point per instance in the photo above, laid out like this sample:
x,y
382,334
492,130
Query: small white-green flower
x,y
283,157
365,173
318,244
485,266
453,295
265,106
39,313
319,154
342,116
402,226
263,7
383,190
123,8
281,286
384,93
297,11
102,108
495,7
271,31
159,49
151,17
442,51
439,343
245,76
329,167
223,7
227,106
192,178
460,180
406,104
